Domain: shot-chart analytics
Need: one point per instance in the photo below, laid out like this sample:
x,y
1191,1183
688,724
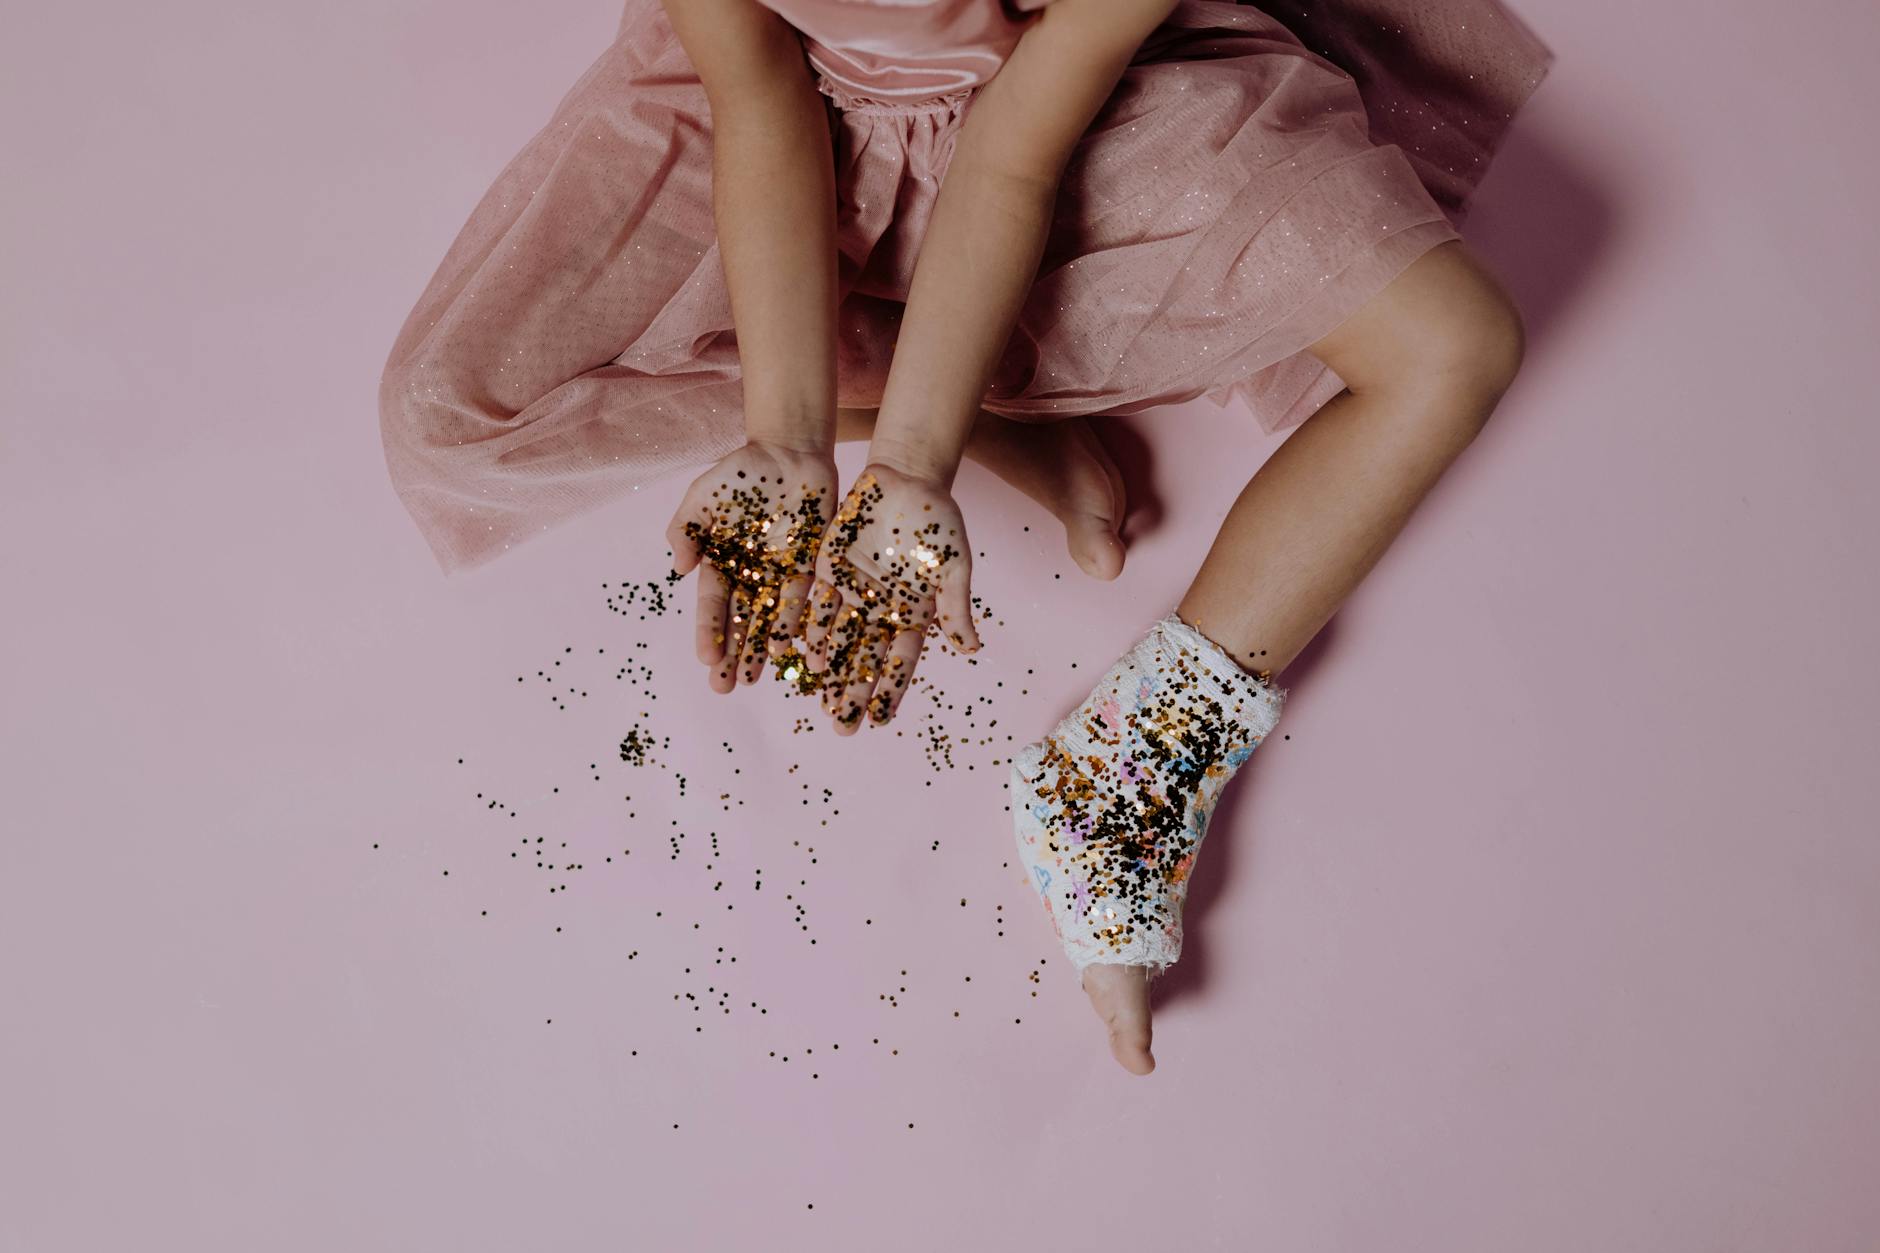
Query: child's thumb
x,y
956,610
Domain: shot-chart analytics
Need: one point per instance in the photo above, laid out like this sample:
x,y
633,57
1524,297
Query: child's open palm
x,y
894,562
754,521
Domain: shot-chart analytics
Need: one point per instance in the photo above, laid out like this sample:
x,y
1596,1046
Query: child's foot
x,y
1120,995
1109,812
1064,467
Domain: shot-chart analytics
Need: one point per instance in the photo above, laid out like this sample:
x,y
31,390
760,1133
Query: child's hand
x,y
894,562
755,520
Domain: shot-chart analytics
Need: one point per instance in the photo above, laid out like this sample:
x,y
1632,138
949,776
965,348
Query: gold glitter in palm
x,y
902,574
881,582
759,537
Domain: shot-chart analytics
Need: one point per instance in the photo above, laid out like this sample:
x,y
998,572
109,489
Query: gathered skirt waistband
x,y
849,101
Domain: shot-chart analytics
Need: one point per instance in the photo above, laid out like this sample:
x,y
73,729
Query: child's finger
x,y
956,607
685,552
737,630
841,652
825,602
757,629
709,634
836,657
787,626
866,664
898,673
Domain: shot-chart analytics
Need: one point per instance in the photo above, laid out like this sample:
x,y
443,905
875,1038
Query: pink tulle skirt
x,y
1258,174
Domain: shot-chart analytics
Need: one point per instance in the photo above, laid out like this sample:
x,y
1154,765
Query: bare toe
x,y
1120,995
1094,546
1093,505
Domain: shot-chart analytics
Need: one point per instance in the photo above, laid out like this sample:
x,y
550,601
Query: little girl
x,y
957,228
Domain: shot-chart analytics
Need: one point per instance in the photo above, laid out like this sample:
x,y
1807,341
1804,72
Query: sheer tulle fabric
x,y
1258,174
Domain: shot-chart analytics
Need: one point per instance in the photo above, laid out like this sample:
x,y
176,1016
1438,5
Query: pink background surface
x,y
1551,926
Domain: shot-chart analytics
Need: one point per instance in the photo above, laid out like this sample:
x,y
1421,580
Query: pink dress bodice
x,y
898,52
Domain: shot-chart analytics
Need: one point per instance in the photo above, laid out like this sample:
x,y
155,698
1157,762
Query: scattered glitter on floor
x,y
750,843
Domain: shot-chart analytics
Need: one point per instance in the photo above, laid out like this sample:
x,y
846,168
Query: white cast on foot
x,y
1110,809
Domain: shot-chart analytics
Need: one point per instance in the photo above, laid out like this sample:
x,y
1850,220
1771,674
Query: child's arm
x,y
773,201
989,225
898,559
753,521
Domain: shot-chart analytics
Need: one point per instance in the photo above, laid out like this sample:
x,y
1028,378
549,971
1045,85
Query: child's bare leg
x,y
1426,362
1061,465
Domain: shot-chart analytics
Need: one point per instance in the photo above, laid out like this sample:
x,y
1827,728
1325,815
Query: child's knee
x,y
1444,328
